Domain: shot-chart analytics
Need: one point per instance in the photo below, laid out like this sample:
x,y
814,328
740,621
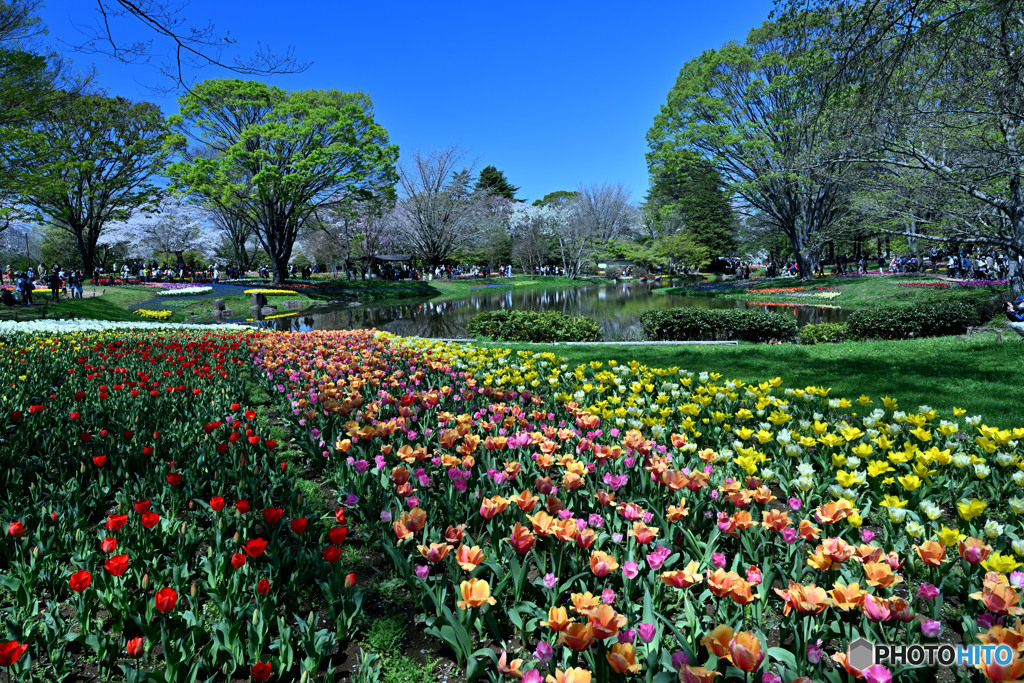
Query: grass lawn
x,y
984,377
115,304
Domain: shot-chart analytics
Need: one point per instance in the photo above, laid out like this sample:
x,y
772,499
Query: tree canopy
x,y
493,182
275,158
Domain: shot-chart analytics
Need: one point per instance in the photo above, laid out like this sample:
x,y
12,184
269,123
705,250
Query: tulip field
x,y
555,523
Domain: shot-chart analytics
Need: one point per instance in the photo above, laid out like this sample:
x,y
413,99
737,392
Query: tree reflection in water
x,y
616,307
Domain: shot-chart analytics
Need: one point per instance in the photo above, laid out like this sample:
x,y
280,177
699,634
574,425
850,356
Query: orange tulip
x,y
775,520
543,523
717,641
577,637
746,651
841,659
642,533
809,599
1012,670
808,531
521,539
743,520
622,659
584,603
833,511
510,669
558,619
436,551
932,553
741,593
475,592
489,507
847,598
880,574
565,530
876,609
675,513
469,558
683,578
454,534
698,674
818,560
674,479
998,595
573,675
837,550
721,582
602,564
973,550
605,621
526,501
586,538
401,531
415,520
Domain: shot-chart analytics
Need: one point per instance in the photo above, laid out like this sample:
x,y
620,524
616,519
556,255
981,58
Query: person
x,y
1015,318
54,282
24,286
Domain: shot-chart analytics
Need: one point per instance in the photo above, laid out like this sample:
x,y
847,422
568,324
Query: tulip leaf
x,y
787,658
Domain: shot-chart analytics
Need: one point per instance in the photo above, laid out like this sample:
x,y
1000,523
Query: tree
x,y
556,197
941,84
600,214
688,194
492,182
754,113
238,234
278,158
439,212
173,227
88,164
532,229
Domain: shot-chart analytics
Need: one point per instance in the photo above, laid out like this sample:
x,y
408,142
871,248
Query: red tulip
x,y
16,415
238,560
332,553
337,535
80,580
10,652
85,437
270,444
108,545
141,506
174,478
235,407
166,599
263,587
261,671
99,460
298,525
150,520
339,515
217,503
16,529
350,580
222,448
35,410
116,565
135,647
242,506
148,451
104,433
128,434
74,416
272,515
250,415
116,522
254,547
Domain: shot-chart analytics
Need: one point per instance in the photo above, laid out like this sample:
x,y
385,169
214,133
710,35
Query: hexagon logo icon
x,y
860,654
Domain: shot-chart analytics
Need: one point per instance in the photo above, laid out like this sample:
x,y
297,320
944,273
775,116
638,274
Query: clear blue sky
x,y
553,94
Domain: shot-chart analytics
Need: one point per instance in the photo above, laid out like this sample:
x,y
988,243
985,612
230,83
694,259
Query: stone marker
x,y
218,304
268,310
258,299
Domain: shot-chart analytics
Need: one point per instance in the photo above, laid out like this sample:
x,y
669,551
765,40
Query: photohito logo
x,y
863,653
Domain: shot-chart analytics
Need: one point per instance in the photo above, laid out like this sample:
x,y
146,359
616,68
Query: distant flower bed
x,y
789,304
923,284
775,290
981,283
269,291
153,315
188,291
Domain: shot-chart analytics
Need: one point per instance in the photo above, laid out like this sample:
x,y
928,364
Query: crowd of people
x,y
60,282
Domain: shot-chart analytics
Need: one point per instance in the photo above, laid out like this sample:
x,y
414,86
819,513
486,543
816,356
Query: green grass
x,y
385,635
983,377
115,304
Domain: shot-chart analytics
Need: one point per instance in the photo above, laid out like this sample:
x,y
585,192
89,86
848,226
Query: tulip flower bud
x,y
304,678
145,581
35,552
182,531
300,500
237,538
78,534
191,504
225,669
255,617
209,551
82,469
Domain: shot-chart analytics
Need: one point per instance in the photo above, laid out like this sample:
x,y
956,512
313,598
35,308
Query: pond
x,y
616,307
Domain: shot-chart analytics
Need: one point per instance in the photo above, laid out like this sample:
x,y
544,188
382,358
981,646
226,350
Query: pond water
x,y
616,307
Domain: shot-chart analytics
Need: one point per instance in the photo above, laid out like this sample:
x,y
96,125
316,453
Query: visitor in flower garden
x,y
54,282
1016,317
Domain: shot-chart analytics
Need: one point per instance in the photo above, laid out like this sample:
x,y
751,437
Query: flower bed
x,y
153,315
269,291
609,518
188,291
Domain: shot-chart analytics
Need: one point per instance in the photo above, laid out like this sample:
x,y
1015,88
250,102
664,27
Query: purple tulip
x,y
931,628
544,651
647,631
422,571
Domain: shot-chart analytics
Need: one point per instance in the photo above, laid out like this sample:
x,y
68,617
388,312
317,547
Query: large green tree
x,y
494,183
88,163
754,113
275,158
688,195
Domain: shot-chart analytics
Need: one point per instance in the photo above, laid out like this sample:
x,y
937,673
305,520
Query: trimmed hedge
x,y
533,326
702,324
906,322
824,333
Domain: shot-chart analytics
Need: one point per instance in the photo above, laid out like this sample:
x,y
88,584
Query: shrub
x,y
532,326
905,322
700,324
824,333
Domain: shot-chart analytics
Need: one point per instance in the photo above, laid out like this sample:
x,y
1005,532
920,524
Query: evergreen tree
x,y
493,182
687,194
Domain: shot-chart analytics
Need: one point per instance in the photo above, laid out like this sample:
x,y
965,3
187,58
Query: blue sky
x,y
553,94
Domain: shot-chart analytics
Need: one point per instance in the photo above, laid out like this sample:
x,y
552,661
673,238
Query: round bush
x,y
906,322
533,326
701,324
824,333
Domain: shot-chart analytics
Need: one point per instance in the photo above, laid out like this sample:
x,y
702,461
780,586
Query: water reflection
x,y
616,307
